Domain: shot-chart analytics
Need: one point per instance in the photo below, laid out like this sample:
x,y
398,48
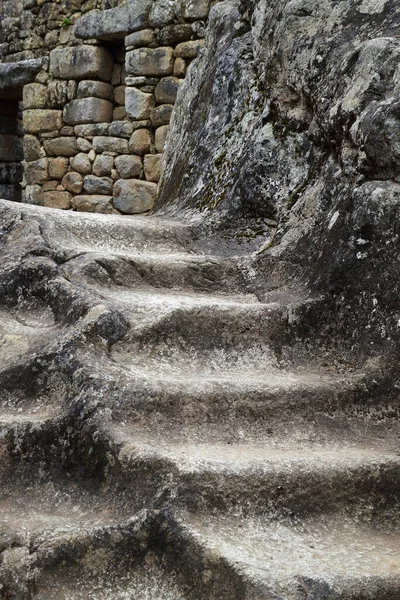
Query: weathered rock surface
x,y
114,23
143,371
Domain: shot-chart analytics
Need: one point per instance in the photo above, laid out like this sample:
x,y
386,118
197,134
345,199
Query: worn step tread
x,y
338,552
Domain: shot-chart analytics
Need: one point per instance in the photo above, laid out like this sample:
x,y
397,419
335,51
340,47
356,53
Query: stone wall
x,y
96,116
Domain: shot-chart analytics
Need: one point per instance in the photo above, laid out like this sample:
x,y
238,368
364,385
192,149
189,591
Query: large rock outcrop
x,y
288,127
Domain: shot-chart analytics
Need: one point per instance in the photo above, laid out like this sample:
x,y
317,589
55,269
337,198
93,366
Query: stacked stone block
x,y
97,116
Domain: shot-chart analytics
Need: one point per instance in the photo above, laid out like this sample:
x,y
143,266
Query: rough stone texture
x,y
209,410
138,104
55,199
114,23
73,182
103,165
110,144
161,137
62,146
98,185
93,203
161,115
159,368
128,166
152,167
35,96
88,110
150,62
133,196
41,121
37,171
58,167
167,90
81,163
13,76
188,49
140,142
97,89
140,38
81,62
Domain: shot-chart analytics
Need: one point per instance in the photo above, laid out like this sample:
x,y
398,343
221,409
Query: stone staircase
x,y
166,436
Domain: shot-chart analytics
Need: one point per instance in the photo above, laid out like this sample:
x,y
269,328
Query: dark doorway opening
x,y
11,149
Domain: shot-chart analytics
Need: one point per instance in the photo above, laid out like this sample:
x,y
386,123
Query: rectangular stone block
x,y
56,199
62,146
34,96
110,144
93,203
88,110
138,104
97,89
81,62
155,62
42,121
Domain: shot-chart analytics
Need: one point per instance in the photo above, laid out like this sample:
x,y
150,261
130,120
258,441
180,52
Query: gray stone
x,y
162,13
13,76
132,196
161,115
37,171
62,146
96,89
60,92
137,81
138,39
33,194
81,163
73,182
128,166
90,130
195,10
138,104
41,121
175,34
98,185
166,91
121,129
32,148
114,23
189,49
88,110
83,145
110,144
81,62
156,62
103,165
